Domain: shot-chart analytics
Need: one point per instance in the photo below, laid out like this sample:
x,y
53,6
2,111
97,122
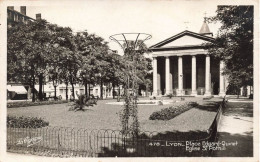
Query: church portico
x,y
186,69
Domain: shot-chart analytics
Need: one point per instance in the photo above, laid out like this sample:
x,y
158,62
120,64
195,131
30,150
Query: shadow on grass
x,y
167,144
209,106
82,110
243,148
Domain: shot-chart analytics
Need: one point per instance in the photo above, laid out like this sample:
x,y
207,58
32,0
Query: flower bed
x,y
171,112
25,122
29,103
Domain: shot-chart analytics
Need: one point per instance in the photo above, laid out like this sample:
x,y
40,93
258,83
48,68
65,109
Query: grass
x,y
58,141
105,116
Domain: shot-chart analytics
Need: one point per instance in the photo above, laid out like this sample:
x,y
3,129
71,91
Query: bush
x,y
29,103
81,102
171,112
25,122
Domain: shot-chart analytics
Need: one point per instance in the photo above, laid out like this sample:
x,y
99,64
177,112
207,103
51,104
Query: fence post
x,y
58,141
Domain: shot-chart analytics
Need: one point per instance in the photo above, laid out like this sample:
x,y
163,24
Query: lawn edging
x,y
30,103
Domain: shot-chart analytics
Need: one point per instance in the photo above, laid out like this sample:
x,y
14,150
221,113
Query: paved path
x,y
236,126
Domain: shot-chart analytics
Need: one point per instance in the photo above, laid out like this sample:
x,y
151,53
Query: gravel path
x,y
236,127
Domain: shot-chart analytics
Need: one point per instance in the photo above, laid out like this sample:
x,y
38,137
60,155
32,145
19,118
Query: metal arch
x,y
113,37
125,40
136,40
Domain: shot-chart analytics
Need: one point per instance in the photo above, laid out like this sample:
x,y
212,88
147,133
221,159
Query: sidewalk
x,y
236,126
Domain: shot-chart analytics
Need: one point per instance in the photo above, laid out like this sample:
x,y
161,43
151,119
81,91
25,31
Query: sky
x,y
160,18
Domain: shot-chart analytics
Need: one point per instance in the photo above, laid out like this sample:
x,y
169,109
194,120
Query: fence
x,y
67,142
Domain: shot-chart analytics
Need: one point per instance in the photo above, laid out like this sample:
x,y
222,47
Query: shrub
x,y
81,102
29,103
25,122
171,112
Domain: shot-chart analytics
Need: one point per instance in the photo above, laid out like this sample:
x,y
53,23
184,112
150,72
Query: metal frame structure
x,y
130,111
124,38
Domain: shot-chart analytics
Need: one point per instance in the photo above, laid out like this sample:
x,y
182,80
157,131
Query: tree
x,y
89,47
234,44
27,53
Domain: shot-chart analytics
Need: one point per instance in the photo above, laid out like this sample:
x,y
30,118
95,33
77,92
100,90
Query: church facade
x,y
183,67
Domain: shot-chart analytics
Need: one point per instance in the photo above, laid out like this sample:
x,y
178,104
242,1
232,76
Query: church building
x,y
183,67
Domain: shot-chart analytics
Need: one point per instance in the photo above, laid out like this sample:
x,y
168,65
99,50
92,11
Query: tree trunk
x,y
118,95
113,90
72,88
101,89
245,87
146,90
86,88
33,90
66,91
40,87
55,92
89,90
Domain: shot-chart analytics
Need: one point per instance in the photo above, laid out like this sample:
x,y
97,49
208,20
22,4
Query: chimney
x,y
10,7
23,10
38,16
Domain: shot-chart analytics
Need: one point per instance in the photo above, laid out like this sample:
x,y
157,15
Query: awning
x,y
17,89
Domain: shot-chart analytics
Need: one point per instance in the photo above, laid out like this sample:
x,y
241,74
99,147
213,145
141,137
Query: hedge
x,y
29,103
25,122
171,112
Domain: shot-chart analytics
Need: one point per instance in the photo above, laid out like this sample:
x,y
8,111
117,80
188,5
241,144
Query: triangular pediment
x,y
185,41
186,38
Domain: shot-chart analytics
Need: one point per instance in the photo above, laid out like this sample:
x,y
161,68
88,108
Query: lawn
x,y
106,116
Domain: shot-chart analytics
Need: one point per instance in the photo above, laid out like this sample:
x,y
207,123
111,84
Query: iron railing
x,y
67,142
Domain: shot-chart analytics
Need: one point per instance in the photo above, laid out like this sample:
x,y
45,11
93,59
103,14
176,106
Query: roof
x,y
186,32
204,28
19,13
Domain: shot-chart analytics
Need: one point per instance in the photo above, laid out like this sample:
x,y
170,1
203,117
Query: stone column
x,y
155,76
193,79
207,77
167,75
221,79
180,76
